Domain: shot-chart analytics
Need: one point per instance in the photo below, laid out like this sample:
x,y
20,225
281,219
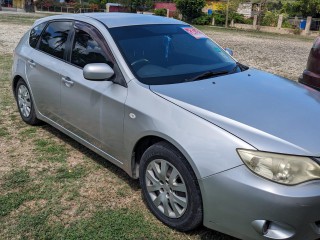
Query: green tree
x,y
137,5
190,9
302,8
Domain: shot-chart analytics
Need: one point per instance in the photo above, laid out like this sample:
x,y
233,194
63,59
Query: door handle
x,y
67,81
32,63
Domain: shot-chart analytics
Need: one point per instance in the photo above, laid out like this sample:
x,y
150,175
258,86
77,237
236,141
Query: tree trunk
x,y
262,9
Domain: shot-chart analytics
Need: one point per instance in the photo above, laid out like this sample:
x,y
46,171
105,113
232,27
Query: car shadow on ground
x,y
203,232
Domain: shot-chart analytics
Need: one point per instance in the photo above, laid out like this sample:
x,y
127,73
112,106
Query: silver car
x,y
212,141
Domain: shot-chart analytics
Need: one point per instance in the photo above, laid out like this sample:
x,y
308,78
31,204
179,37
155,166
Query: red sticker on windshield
x,y
194,32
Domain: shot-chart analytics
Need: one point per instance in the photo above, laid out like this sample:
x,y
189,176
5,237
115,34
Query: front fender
x,y
208,148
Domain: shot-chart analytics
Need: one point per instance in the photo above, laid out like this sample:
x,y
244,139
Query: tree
x,y
302,8
261,11
190,9
231,9
137,5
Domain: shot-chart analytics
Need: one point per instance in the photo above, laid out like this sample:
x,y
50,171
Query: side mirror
x,y
229,51
97,71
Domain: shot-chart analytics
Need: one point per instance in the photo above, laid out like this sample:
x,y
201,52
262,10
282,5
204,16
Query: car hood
x,y
269,112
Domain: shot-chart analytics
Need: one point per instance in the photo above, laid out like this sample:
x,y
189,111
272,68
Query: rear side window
x,y
54,38
86,50
35,34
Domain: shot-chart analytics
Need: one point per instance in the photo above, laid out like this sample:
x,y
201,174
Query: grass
x,y
54,188
24,19
51,187
104,224
49,150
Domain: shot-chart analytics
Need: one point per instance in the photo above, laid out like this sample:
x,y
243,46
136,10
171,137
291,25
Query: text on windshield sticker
x,y
194,32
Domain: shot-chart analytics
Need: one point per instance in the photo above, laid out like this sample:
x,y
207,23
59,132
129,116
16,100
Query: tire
x,y
174,198
25,103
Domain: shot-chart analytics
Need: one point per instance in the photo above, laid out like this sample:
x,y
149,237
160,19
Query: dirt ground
x,y
282,55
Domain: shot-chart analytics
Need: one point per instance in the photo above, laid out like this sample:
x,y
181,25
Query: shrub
x,y
190,9
286,24
297,31
248,21
202,20
219,18
238,18
160,12
270,19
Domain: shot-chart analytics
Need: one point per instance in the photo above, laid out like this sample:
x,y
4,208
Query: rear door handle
x,y
32,63
67,81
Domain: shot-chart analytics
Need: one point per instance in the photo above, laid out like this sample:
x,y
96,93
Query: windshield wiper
x,y
206,75
215,74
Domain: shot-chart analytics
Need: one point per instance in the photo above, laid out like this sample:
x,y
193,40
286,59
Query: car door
x,y
93,110
44,63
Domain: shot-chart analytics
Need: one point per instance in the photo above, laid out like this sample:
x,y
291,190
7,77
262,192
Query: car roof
x,y
112,20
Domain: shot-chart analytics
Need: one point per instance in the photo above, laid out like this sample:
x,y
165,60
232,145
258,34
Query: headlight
x,y
280,168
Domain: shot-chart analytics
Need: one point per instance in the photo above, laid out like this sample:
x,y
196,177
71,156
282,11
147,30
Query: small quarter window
x,y
86,50
35,34
54,38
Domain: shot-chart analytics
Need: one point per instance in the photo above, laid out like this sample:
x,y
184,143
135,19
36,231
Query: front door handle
x,y
32,63
67,81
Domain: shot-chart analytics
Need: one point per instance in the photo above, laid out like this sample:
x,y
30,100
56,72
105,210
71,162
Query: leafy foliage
x,y
190,9
137,5
270,19
302,8
202,20
160,12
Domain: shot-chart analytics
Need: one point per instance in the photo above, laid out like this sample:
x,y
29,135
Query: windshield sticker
x,y
194,32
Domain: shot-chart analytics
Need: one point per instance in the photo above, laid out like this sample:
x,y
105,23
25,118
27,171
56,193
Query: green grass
x,y
24,19
16,179
65,174
12,201
3,132
107,224
29,132
49,150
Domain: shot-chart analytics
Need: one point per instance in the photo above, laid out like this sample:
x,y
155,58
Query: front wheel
x,y
170,188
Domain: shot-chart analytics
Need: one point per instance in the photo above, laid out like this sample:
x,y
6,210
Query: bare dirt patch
x,y
282,55
10,35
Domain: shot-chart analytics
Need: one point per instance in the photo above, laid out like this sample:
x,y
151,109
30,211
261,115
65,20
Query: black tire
x,y
193,214
31,118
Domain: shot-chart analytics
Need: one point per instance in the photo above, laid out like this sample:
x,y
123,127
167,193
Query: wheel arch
x,y
145,142
15,80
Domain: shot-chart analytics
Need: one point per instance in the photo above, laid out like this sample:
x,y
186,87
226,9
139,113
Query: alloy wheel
x,y
166,188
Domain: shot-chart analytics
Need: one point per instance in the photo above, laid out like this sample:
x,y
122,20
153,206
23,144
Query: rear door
x,y
44,65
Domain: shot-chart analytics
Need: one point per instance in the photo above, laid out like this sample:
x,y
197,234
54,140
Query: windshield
x,y
168,54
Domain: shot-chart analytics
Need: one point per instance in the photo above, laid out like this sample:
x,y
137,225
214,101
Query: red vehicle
x,y
311,76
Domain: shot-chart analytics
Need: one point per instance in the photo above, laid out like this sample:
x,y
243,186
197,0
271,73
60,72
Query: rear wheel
x,y
170,188
25,103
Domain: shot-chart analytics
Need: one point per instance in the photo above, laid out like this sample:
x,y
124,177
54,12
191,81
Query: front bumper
x,y
235,200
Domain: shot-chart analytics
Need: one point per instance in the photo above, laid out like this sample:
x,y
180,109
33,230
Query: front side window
x,y
54,38
35,34
167,54
86,50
